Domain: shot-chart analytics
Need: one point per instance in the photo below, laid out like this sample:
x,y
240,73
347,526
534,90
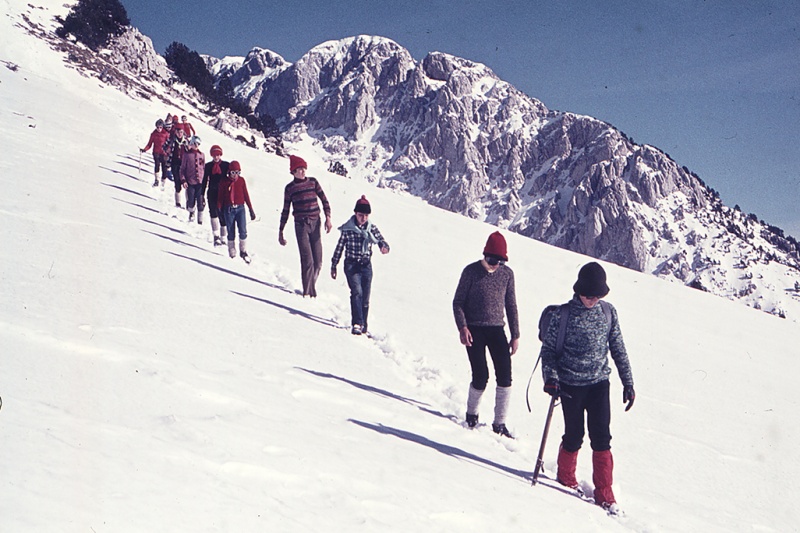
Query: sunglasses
x,y
236,172
494,260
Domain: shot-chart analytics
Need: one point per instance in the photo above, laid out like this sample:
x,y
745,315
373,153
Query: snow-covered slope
x,y
151,384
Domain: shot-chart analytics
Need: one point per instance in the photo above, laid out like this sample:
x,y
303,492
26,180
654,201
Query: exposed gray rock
x,y
449,130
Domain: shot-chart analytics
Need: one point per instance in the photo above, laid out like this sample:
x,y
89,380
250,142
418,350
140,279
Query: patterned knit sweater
x,y
481,297
302,195
584,360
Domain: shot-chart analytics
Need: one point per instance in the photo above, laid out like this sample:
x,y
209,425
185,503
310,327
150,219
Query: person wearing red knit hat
x,y
485,290
215,171
231,199
301,196
358,236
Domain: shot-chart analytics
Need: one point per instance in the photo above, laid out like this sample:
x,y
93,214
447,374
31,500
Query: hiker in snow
x,y
192,166
358,236
231,199
215,171
579,375
176,147
485,290
186,126
157,139
301,194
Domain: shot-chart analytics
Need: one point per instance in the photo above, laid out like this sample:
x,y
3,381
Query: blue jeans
x,y
235,216
359,279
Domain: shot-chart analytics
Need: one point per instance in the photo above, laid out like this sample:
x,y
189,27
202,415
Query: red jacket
x,y
233,192
188,129
157,141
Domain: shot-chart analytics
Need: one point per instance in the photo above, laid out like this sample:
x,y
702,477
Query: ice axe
x,y
540,460
139,169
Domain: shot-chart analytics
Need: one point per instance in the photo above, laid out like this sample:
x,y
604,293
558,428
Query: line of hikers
x,y
225,189
575,343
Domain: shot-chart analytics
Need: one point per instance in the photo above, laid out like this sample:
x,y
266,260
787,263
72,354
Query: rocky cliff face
x,y
449,130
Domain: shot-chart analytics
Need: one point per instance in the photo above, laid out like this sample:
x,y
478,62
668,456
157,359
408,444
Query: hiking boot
x,y
611,508
191,216
218,240
472,420
356,329
502,430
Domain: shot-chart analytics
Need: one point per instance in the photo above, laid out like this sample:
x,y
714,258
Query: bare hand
x,y
466,336
514,345
328,225
384,250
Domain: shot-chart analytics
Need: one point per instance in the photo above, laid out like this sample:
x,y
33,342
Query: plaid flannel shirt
x,y
351,243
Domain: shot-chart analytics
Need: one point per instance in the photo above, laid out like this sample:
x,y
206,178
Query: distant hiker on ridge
x,y
301,194
176,147
231,199
358,236
485,290
158,137
216,170
579,375
186,126
192,166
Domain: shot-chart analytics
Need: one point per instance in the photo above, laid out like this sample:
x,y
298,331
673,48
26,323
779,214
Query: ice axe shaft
x,y
540,460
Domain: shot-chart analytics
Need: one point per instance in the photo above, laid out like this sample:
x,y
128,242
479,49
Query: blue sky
x,y
715,84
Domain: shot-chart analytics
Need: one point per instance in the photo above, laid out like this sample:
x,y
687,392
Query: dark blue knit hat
x,y
591,281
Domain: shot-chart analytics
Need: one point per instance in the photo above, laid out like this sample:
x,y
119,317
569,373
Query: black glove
x,y
628,395
552,387
252,215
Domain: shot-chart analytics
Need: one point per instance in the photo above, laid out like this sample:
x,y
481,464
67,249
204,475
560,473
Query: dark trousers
x,y
359,279
194,195
176,174
592,400
309,242
212,195
493,338
160,164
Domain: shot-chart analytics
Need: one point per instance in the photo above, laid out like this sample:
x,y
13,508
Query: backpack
x,y
563,312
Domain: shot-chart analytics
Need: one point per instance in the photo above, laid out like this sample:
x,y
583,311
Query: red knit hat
x,y
496,246
362,206
234,165
295,163
216,150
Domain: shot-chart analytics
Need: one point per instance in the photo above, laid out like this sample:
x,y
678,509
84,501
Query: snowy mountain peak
x,y
450,131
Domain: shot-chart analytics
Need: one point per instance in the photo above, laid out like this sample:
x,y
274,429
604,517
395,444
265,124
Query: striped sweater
x,y
584,360
302,195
